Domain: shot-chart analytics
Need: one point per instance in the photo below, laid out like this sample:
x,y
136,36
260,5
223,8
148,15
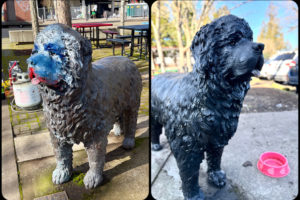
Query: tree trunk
x,y
122,15
83,10
152,62
63,12
34,18
188,60
156,31
178,23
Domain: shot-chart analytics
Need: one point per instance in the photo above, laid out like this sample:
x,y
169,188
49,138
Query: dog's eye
x,y
51,53
232,43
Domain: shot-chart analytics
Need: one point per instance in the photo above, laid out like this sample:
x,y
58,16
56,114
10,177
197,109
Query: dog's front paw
x,y
217,178
61,175
199,196
156,147
128,143
92,179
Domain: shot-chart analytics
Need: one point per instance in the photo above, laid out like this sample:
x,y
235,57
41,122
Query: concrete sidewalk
x,y
10,185
256,133
31,147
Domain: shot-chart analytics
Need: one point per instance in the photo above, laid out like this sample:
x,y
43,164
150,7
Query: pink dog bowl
x,y
273,164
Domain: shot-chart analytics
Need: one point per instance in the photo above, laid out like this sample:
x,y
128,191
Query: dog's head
x,y
225,46
60,56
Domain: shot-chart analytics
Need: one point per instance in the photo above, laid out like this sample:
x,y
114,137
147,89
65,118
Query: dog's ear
x,y
199,42
202,50
86,50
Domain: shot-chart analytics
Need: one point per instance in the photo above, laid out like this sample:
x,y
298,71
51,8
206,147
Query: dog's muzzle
x,y
258,47
33,77
35,80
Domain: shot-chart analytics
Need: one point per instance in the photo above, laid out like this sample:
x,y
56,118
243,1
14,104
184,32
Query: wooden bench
x,y
119,41
110,33
127,36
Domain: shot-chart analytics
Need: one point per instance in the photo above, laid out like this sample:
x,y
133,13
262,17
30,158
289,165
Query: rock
x,y
247,164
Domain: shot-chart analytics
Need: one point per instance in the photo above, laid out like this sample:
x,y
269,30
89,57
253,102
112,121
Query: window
x,y
285,56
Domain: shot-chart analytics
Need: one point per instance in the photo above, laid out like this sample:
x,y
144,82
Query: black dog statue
x,y
200,110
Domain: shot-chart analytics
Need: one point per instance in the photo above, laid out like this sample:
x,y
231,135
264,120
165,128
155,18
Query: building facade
x,y
18,11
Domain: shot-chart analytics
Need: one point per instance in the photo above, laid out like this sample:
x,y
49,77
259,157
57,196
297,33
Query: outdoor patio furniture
x,y
109,34
144,33
93,30
119,41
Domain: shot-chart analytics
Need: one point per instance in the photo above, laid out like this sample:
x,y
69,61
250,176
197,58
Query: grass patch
x,y
43,184
281,87
21,191
87,196
78,178
139,141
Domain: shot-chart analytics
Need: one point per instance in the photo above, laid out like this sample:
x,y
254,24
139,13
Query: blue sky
x,y
255,12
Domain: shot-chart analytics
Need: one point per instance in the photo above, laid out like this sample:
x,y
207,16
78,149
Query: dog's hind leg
x,y
129,127
156,130
189,165
64,157
96,149
216,176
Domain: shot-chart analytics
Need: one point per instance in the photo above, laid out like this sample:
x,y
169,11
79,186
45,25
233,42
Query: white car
x,y
283,74
272,66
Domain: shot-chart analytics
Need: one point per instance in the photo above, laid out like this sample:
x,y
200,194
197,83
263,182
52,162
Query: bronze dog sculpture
x,y
200,110
81,100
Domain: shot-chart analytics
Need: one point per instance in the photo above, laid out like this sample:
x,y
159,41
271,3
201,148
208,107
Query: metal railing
x,y
49,13
46,13
131,10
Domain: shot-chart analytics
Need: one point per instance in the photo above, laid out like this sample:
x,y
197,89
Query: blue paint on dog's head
x,y
46,67
48,62
60,54
55,48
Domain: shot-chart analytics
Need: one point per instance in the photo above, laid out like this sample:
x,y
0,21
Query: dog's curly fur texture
x,y
200,110
81,100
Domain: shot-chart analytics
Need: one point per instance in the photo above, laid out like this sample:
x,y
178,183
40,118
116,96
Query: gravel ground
x,y
267,99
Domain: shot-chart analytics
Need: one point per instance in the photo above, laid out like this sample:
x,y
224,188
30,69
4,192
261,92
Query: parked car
x,y
272,66
288,72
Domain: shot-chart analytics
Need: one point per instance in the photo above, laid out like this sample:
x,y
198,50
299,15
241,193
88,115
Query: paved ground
x,y
257,133
126,175
31,147
10,185
125,172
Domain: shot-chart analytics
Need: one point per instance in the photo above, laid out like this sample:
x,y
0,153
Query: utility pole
x,y
34,18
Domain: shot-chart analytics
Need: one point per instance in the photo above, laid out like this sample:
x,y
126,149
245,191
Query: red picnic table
x,y
80,27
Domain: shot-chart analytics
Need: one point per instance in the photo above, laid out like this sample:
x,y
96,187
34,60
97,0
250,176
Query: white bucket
x,y
26,94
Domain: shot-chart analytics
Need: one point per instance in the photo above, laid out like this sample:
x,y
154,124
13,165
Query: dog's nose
x,y
258,46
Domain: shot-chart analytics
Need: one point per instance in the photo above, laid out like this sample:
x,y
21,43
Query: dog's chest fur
x,y
66,115
201,110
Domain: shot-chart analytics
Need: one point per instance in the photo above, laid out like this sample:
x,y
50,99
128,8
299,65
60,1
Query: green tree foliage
x,y
271,34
